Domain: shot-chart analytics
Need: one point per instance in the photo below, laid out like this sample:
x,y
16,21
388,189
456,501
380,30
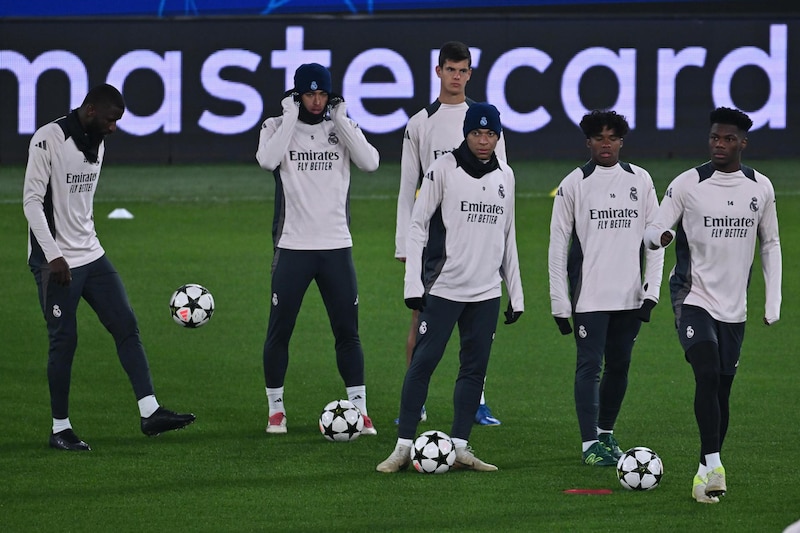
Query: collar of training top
x,y
471,164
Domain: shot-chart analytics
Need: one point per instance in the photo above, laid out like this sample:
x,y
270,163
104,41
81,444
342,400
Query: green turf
x,y
210,225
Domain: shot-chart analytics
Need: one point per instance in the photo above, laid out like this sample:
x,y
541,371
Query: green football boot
x,y
598,455
608,440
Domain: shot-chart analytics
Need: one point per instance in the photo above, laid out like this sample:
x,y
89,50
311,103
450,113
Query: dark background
x,y
100,42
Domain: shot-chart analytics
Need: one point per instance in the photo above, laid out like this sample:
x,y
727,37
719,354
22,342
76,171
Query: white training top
x,y
603,211
468,224
719,215
57,198
311,164
431,133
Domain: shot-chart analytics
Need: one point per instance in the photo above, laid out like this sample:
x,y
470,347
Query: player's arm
x,y
654,259
430,197
500,149
410,171
362,153
509,270
37,179
276,133
562,222
659,232
771,261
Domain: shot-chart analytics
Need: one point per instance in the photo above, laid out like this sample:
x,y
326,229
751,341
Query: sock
x,y
601,431
702,471
275,400
459,443
588,444
405,442
483,393
147,406
713,461
358,395
60,424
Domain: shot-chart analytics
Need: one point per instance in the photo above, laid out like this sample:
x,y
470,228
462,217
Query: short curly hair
x,y
734,117
594,122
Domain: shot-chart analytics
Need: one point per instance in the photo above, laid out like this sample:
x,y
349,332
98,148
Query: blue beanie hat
x,y
482,115
312,77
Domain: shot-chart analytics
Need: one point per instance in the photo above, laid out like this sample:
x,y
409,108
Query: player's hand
x,y
511,315
666,238
416,304
643,313
291,103
337,108
60,272
334,100
563,325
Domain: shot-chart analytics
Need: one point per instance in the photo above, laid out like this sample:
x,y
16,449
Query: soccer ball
x,y
341,421
433,453
191,305
640,468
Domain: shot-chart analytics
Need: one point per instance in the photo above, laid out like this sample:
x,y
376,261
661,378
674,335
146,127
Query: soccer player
x,y
308,149
68,262
719,210
595,258
470,192
431,133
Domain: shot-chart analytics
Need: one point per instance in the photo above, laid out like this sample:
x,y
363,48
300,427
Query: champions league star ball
x,y
341,421
640,468
191,305
433,453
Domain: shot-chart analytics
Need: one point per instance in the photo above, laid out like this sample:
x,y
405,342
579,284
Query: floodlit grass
x,y
210,225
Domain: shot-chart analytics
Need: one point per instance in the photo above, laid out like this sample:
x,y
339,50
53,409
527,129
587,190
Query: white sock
x,y
60,424
404,442
275,400
358,395
147,406
702,470
588,444
713,461
601,431
483,392
459,443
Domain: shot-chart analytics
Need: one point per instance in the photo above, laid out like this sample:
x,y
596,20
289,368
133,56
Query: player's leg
x,y
411,340
731,337
590,341
484,415
292,272
698,335
337,284
104,292
623,327
59,306
476,326
338,287
436,323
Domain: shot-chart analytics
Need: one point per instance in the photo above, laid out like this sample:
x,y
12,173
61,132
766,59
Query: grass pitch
x,y
211,225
